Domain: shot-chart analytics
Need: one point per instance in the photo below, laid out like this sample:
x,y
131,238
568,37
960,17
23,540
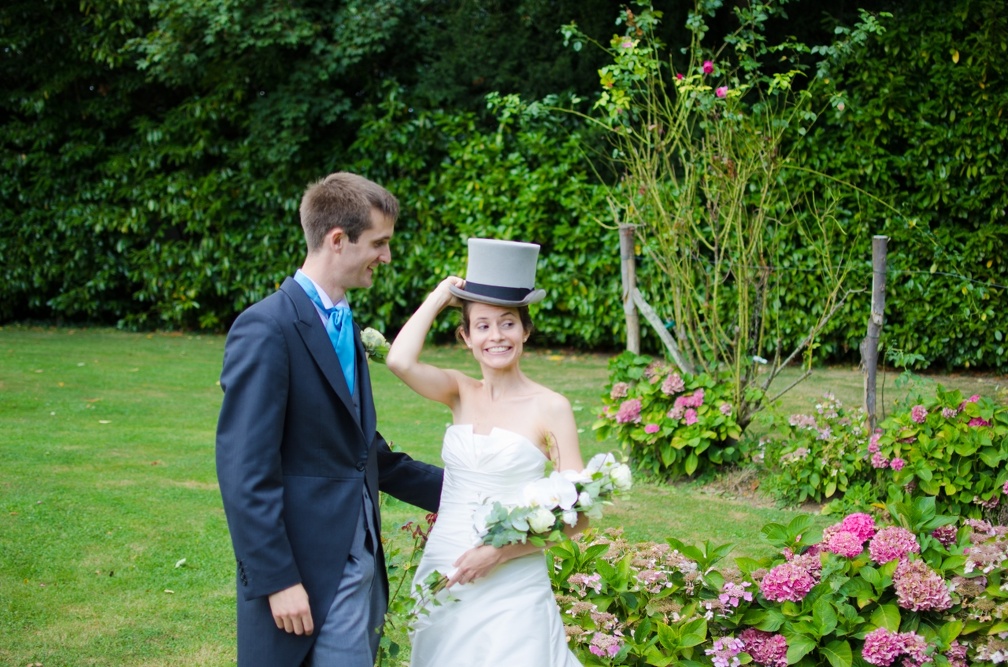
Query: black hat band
x,y
497,292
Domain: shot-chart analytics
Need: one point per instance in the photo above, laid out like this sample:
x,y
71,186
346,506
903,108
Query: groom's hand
x,y
291,612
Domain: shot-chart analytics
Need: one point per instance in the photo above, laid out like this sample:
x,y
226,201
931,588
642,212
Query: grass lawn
x,y
113,544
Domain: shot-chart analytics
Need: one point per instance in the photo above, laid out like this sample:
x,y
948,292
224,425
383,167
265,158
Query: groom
x,y
299,459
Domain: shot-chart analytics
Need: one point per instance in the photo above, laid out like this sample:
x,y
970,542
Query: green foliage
x,y
153,156
919,124
816,457
670,424
948,448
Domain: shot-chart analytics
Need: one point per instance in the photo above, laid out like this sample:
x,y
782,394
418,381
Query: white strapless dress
x,y
510,616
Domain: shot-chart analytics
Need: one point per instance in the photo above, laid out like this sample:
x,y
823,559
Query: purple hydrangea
x,y
918,413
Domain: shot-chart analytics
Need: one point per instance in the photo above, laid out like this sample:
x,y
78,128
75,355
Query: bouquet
x,y
553,502
375,344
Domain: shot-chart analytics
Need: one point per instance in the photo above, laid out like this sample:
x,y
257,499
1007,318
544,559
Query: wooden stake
x,y
869,346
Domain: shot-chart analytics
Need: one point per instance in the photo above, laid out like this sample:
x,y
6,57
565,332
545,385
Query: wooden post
x,y
869,346
629,274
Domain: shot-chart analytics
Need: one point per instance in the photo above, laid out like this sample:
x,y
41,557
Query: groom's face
x,y
359,260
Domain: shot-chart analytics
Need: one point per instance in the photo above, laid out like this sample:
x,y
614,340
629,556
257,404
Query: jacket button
x,y
361,465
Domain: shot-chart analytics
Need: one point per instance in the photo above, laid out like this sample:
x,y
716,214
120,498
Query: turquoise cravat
x,y
339,326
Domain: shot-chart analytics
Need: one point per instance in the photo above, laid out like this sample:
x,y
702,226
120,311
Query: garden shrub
x,y
815,457
948,447
670,423
918,588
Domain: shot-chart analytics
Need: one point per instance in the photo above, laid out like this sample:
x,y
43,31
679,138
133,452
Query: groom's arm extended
x,y
408,480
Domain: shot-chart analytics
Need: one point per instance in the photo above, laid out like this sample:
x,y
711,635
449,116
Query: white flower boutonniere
x,y
375,344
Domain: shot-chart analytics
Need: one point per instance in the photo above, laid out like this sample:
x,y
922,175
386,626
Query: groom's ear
x,y
336,238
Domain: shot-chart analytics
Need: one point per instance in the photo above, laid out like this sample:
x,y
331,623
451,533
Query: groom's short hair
x,y
343,200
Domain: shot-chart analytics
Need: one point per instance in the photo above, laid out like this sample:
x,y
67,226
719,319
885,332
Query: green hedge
x,y
154,201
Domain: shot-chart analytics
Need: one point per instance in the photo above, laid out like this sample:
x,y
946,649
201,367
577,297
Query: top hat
x,y
501,273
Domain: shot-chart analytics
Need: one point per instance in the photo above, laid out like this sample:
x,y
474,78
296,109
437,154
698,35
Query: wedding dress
x,y
508,617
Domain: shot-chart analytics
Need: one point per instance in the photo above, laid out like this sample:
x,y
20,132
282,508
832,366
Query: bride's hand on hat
x,y
443,291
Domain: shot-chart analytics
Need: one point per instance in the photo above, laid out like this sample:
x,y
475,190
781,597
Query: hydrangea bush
x,y
947,446
671,424
917,589
814,457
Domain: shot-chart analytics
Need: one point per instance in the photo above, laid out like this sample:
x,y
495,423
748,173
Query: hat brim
x,y
535,296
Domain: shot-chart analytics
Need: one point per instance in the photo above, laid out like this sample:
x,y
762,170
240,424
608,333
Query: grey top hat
x,y
501,273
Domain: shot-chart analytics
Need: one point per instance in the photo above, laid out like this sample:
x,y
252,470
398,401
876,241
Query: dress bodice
x,y
488,467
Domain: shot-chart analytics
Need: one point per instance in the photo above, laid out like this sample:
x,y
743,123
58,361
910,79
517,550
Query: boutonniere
x,y
375,344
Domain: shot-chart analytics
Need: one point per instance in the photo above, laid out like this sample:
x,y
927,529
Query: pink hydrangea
x,y
619,390
916,649
878,460
897,463
919,588
949,413
725,652
843,543
977,421
859,523
604,646
629,411
673,384
787,581
651,428
732,594
676,413
1004,489
708,67
882,647
918,413
765,648
892,542
721,91
690,417
725,409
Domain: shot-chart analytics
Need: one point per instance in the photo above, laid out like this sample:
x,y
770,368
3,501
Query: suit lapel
x,y
368,419
309,326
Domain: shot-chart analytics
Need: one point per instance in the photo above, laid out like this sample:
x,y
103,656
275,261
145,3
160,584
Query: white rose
x,y
550,492
570,517
541,520
585,500
621,477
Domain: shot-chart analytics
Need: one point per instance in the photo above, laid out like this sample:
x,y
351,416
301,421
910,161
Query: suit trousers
x,y
352,630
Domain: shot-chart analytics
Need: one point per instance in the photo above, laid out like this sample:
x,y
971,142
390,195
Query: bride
x,y
505,428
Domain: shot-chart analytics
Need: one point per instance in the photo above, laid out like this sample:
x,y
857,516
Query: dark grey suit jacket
x,y
292,459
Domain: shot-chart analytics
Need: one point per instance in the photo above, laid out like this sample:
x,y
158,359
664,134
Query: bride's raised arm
x,y
403,358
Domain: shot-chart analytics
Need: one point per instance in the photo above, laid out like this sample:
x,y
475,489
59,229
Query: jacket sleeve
x,y
408,480
255,378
